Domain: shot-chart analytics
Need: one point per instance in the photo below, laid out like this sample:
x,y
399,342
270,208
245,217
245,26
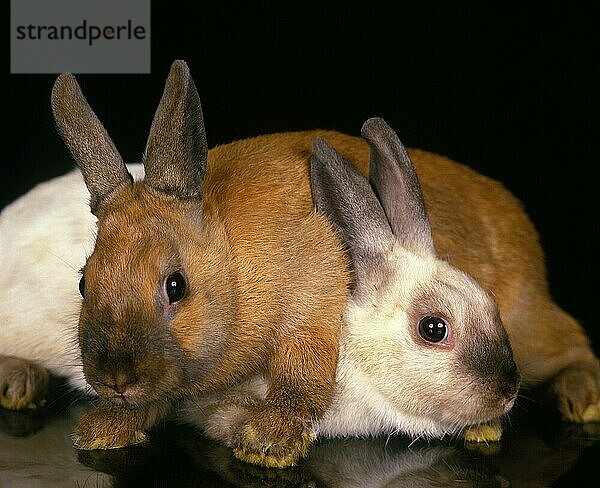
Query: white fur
x,y
45,237
383,376
374,330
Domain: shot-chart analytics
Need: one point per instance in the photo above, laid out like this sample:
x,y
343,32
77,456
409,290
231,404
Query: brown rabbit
x,y
214,267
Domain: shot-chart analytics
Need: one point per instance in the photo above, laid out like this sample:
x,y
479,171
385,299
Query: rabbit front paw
x,y
273,439
109,428
577,393
488,432
484,438
23,384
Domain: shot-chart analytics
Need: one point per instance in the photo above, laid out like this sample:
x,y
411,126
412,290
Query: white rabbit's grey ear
x,y
346,198
176,151
94,152
394,180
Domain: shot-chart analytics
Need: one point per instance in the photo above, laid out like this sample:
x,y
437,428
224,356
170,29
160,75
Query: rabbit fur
x,y
400,275
476,226
212,268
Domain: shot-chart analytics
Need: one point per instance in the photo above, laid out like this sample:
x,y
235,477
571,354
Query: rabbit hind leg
x,y
564,359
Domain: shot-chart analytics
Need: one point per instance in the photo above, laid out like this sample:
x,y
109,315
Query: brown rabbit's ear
x,y
101,164
176,151
394,180
344,195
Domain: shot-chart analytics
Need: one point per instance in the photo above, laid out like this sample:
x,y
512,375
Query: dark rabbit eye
x,y
433,329
82,287
175,287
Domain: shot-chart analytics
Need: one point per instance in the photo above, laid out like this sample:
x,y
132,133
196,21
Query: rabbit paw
x,y
483,439
273,440
577,393
23,384
488,432
106,428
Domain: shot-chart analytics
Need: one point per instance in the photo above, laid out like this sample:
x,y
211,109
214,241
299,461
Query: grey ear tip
x,y
321,148
318,143
373,125
64,83
180,66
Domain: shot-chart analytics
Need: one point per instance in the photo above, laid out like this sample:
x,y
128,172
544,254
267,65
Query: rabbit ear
x,y
395,182
176,151
93,150
344,195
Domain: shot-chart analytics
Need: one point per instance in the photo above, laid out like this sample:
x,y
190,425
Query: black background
x,y
509,90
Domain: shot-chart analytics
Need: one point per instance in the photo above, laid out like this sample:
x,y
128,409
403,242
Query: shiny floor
x,y
35,451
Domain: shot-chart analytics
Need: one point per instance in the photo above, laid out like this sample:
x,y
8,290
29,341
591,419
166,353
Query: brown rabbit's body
x,y
211,269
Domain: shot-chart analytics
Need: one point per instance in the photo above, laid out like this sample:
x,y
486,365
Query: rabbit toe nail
x,y
108,442
483,433
591,413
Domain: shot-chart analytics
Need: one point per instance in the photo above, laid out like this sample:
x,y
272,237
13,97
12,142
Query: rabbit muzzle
x,y
130,367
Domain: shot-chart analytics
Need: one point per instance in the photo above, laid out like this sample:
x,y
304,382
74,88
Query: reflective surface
x,y
35,450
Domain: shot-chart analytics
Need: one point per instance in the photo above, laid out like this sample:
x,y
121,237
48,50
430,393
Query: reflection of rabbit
x,y
213,268
46,458
354,463
177,456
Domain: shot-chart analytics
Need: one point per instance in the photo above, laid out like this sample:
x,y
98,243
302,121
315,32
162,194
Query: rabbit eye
x,y
433,329
175,286
82,287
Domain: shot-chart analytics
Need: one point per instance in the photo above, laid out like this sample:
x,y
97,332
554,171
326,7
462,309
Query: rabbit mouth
x,y
121,394
128,389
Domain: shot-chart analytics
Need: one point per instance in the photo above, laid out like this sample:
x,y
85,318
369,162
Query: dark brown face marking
x,y
476,347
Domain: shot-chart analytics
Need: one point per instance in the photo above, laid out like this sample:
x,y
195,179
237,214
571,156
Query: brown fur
x,y
266,279
265,272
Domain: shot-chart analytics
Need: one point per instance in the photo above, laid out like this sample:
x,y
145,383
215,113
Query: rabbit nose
x,y
510,388
120,382
509,395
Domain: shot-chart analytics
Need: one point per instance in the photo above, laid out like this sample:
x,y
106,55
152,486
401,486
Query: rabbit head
x,y
155,286
423,349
